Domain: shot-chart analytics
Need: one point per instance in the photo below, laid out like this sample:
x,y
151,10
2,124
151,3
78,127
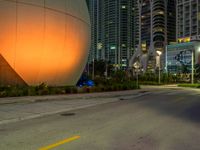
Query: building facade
x,y
179,54
114,28
188,20
179,57
157,28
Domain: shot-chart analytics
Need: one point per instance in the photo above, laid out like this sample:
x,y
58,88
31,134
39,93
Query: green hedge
x,y
101,86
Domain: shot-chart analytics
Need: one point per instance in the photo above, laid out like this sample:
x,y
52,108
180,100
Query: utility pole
x,y
159,66
159,76
136,67
106,73
192,78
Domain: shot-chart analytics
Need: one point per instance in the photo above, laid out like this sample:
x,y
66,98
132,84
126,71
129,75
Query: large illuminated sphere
x,y
43,41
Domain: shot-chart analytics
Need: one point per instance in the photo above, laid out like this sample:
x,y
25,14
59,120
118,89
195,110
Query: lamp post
x,y
159,68
192,78
106,72
136,66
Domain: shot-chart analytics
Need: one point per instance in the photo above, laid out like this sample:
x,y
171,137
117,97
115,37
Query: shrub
x,y
67,89
32,91
74,90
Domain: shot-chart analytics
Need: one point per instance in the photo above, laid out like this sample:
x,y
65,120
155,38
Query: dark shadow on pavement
x,y
181,106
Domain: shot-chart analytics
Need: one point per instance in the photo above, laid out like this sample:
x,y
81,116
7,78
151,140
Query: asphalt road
x,y
164,119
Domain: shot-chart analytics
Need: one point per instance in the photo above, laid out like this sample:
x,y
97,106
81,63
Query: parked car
x,y
85,81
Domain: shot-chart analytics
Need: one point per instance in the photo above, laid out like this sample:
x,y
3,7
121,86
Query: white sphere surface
x,y
45,40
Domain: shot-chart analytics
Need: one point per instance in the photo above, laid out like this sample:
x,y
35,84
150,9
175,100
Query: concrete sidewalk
x,y
23,108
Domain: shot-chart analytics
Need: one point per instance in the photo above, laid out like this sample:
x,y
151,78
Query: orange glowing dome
x,y
43,41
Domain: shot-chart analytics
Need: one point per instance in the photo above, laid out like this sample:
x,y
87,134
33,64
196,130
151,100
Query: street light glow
x,y
199,49
159,53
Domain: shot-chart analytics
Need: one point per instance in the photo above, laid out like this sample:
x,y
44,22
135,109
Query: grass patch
x,y
189,85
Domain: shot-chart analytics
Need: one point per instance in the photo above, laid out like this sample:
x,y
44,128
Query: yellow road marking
x,y
60,143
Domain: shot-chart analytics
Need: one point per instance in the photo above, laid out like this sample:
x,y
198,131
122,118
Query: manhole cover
x,y
67,114
143,91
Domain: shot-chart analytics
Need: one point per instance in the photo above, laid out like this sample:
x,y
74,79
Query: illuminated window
x,y
113,47
186,39
123,7
161,12
158,30
123,45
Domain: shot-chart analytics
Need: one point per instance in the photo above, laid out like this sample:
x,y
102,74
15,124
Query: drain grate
x,y
3,130
67,114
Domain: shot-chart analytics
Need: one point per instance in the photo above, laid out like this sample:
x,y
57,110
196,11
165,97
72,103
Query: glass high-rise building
x,y
114,30
95,10
157,28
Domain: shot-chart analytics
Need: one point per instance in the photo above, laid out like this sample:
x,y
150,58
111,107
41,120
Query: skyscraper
x,y
188,20
114,28
95,10
157,28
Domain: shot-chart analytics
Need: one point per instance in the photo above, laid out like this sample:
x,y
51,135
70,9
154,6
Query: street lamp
x,y
159,68
136,66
